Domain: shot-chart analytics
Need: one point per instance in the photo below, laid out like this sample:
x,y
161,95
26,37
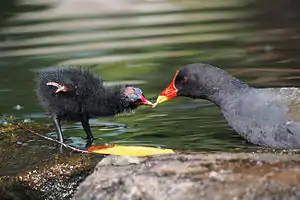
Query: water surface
x,y
143,43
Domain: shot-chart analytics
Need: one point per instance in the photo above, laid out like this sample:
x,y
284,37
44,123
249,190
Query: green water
x,y
143,43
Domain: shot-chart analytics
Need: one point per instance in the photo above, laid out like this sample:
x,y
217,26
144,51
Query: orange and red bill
x,y
169,93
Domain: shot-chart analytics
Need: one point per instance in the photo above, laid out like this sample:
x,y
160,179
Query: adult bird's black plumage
x,y
267,117
75,94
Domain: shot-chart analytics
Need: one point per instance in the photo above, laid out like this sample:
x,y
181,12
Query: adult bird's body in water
x,y
266,117
74,94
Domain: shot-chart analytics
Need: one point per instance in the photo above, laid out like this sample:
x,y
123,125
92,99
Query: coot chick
x,y
74,94
266,117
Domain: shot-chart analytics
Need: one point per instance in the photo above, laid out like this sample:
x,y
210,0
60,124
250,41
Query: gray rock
x,y
193,177
120,160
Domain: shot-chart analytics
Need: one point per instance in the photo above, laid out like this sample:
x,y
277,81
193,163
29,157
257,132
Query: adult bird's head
x,y
199,80
184,83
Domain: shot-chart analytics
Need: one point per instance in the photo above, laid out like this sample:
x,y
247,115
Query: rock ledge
x,y
193,177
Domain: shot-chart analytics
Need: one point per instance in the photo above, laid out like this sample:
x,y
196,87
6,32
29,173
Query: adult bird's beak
x,y
145,101
169,93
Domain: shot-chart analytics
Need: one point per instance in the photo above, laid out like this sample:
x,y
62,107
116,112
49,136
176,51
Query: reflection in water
x,y
143,43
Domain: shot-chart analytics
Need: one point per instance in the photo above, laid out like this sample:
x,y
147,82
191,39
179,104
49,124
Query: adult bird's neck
x,y
225,88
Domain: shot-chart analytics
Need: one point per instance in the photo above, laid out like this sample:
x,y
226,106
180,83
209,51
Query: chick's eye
x,y
133,97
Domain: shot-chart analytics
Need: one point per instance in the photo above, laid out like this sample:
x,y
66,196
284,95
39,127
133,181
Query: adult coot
x,y
267,117
75,94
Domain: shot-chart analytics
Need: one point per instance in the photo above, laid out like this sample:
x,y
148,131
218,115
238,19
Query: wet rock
x,y
10,190
56,179
120,160
195,176
34,168
59,177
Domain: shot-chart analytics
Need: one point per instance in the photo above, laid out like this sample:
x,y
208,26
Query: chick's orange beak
x,y
145,101
169,93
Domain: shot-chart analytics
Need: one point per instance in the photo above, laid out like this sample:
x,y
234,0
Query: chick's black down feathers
x,y
75,94
86,93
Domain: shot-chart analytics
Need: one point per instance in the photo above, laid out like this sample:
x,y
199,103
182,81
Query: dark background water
x,y
143,43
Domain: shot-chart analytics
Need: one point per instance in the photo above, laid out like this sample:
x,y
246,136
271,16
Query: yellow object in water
x,y
129,150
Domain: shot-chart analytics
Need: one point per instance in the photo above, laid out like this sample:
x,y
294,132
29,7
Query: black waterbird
x,y
266,116
74,94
